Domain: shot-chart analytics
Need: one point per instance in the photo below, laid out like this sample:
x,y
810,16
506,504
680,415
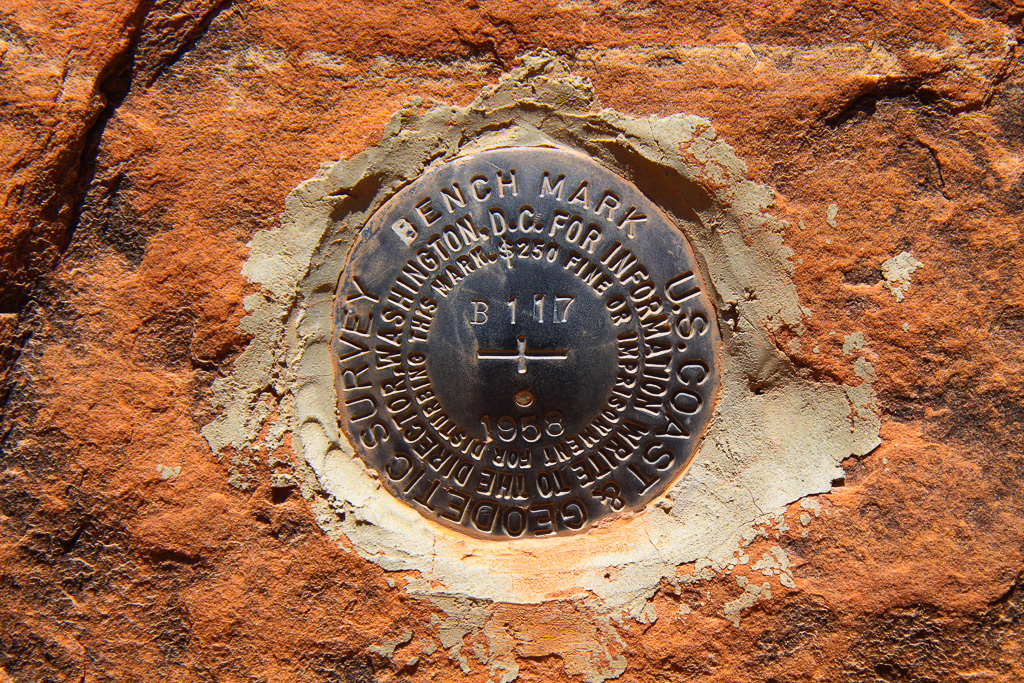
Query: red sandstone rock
x,y
144,146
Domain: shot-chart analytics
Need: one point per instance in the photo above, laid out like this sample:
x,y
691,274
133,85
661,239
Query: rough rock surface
x,y
143,146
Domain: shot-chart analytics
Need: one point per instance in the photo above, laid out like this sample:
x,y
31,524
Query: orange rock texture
x,y
144,144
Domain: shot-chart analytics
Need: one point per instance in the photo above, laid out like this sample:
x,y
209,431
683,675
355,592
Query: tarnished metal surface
x,y
523,345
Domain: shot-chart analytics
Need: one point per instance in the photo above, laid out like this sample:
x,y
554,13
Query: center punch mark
x,y
521,355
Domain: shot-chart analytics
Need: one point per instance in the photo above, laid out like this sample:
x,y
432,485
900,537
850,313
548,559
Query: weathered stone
x,y
145,146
